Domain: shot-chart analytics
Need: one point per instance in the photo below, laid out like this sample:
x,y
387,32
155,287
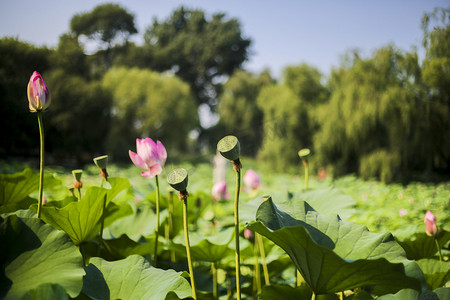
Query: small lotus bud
x,y
229,147
219,190
430,224
178,179
38,95
248,234
251,179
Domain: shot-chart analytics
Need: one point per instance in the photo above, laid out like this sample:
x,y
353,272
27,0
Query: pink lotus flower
x,y
430,224
38,95
251,179
248,234
150,156
219,190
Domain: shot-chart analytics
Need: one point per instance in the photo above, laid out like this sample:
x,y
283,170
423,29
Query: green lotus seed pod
x,y
77,174
304,153
229,147
101,161
178,179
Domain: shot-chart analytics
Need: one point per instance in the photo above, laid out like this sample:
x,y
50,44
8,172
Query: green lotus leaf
x,y
211,249
42,255
333,255
132,278
436,272
45,292
15,188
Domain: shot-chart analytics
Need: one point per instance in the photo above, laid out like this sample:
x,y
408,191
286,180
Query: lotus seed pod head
x,y
304,153
178,179
37,92
101,161
229,147
430,224
77,174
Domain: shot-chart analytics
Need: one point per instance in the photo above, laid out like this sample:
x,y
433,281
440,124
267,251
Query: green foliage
x,y
147,103
69,56
133,278
238,110
107,22
201,51
47,256
333,255
77,107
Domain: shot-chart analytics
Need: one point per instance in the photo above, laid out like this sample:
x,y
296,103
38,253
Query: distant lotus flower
x,y
402,212
251,179
38,96
150,156
219,190
248,234
430,224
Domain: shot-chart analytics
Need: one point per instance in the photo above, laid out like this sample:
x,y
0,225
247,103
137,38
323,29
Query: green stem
x,y
214,275
102,225
257,268
157,222
298,278
188,247
439,249
341,296
306,175
236,229
263,257
41,167
313,296
170,222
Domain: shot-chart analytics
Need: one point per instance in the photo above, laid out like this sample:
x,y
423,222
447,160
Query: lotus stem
x,y
102,225
313,296
263,257
439,249
41,166
170,223
236,230
214,275
306,175
188,247
257,269
157,222
341,295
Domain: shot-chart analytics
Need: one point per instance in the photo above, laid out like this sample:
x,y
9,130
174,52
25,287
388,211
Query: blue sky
x,y
284,32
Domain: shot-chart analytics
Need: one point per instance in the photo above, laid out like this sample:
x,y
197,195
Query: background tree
x,y
146,103
238,110
202,52
69,56
110,24
19,135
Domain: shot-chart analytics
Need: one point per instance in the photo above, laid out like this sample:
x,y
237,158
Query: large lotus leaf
x,y
330,201
115,212
132,278
211,248
333,255
45,292
45,256
436,272
408,294
15,188
418,244
285,292
78,219
116,185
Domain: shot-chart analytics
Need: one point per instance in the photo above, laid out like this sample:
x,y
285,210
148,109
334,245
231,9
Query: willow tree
x,y
149,104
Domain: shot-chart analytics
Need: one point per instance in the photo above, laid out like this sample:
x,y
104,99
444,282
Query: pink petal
x,y
146,151
137,160
156,169
162,153
147,174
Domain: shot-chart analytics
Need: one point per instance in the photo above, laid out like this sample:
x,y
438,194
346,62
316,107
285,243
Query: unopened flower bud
x,y
38,95
430,224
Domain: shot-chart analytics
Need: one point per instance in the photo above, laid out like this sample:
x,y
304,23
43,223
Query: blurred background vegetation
x,y
386,116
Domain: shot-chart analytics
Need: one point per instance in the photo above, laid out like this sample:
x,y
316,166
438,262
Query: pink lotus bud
x,y
38,95
430,224
402,212
219,190
251,179
150,157
248,234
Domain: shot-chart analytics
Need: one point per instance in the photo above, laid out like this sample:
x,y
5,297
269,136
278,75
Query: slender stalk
x,y
298,276
170,223
236,229
313,296
439,249
257,269
263,257
41,167
214,275
102,224
306,175
188,247
157,222
341,296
